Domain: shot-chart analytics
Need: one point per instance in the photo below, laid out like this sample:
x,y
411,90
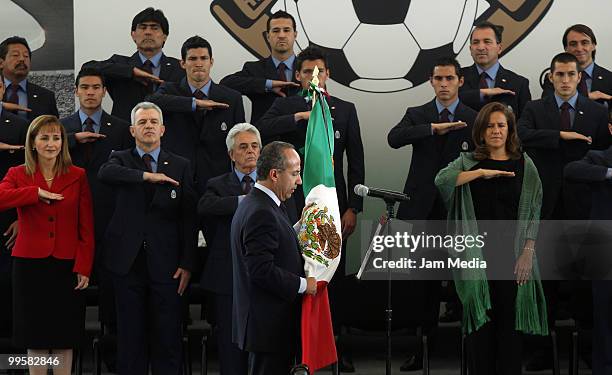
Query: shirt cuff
x,y
194,107
268,85
302,285
609,174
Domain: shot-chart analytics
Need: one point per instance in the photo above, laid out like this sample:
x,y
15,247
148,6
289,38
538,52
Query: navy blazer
x,y
430,153
267,268
278,124
601,81
40,100
539,129
469,93
118,137
217,207
592,169
167,222
199,136
13,131
123,89
251,82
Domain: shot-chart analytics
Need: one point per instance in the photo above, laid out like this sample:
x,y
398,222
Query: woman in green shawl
x,y
496,182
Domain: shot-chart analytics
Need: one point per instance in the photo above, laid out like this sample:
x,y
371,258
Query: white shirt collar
x,y
269,192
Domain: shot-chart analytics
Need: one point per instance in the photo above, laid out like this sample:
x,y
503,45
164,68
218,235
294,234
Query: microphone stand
x,y
389,311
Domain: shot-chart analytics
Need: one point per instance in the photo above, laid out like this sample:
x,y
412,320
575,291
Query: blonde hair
x,y
63,160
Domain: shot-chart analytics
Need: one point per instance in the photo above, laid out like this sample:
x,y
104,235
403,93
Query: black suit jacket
x,y
118,137
40,100
278,124
13,131
538,130
199,136
167,222
123,89
601,81
267,268
592,169
469,93
251,81
430,153
217,207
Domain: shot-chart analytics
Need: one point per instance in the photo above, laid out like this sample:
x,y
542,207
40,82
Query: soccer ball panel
x,y
381,51
379,13
434,23
327,23
465,26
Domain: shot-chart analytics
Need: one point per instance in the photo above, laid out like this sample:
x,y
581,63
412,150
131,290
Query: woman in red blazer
x,y
53,252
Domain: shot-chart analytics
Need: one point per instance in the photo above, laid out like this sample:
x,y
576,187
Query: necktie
x,y
246,184
147,66
89,123
198,94
483,84
282,69
444,115
583,89
565,116
13,97
147,159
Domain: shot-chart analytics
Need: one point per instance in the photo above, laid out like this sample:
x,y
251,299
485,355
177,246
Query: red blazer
x,y
63,229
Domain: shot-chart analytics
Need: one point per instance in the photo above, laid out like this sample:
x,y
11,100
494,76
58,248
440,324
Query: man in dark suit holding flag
x,y
268,276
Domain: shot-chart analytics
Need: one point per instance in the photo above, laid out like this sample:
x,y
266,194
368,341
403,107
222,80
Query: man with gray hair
x,y
216,208
150,245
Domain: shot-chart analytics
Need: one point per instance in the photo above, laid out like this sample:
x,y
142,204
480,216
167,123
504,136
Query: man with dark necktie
x,y
437,131
92,135
150,246
130,79
217,207
595,80
556,130
265,80
199,113
486,80
21,96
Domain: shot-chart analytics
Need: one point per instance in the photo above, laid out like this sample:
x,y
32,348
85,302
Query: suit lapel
x,y
579,124
501,79
552,112
33,98
233,184
165,67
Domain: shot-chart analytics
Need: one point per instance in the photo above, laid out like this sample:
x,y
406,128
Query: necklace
x,y
49,179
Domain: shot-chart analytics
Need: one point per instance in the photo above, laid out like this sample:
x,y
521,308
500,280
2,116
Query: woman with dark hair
x,y
496,182
53,252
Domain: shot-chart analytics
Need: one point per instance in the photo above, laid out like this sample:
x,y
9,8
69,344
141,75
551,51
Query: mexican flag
x,y
320,235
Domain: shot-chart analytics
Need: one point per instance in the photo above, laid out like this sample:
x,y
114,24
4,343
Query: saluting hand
x,y
15,107
7,147
158,178
48,197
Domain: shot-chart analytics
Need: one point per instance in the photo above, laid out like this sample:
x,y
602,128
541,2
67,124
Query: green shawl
x,y
471,284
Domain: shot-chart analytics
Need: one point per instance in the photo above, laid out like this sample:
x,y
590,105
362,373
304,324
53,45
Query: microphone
x,y
364,191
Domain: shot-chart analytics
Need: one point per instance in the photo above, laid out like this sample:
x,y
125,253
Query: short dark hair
x,y
582,29
498,30
280,14
513,144
310,53
195,41
272,157
13,40
563,58
447,61
89,72
154,15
